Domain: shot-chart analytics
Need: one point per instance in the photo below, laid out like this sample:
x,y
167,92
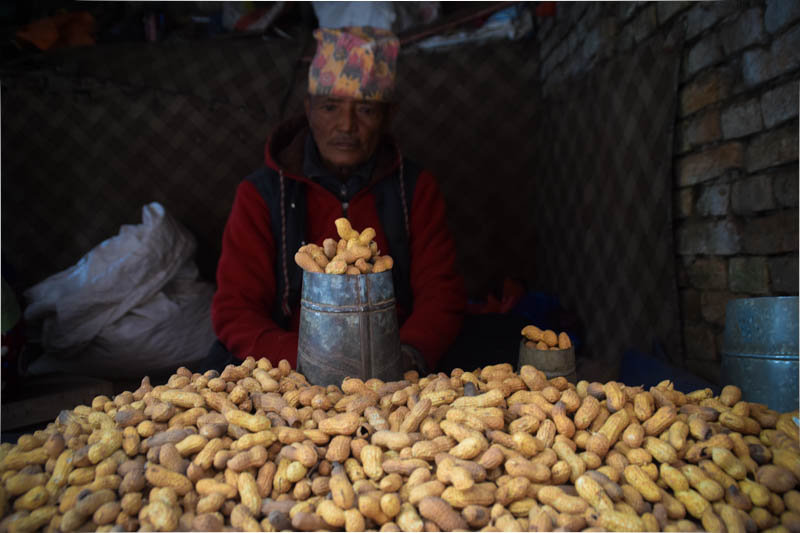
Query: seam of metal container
x,y
360,308
763,355
364,329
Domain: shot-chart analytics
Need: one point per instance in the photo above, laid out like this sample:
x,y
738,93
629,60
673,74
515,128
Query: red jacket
x,y
241,310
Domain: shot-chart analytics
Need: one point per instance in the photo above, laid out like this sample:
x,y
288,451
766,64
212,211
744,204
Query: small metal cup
x,y
553,363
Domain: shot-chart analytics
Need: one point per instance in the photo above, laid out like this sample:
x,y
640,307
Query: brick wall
x,y
735,169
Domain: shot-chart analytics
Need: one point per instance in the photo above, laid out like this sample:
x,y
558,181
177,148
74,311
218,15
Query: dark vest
x,y
286,200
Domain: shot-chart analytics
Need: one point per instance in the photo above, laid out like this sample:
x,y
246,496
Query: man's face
x,y
346,131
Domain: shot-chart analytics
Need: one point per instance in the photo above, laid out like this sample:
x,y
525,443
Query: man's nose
x,y
347,119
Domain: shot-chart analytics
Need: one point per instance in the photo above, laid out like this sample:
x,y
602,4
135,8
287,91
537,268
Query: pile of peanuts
x,y
354,253
545,339
258,448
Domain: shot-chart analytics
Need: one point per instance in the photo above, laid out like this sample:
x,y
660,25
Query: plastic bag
x,y
133,304
394,16
341,14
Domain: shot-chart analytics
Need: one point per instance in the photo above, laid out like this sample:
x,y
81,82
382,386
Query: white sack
x,y
170,329
132,305
115,276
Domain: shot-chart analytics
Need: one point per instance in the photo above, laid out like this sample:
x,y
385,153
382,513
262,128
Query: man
x,y
338,160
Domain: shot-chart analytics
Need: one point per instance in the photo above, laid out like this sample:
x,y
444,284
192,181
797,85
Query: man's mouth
x,y
345,144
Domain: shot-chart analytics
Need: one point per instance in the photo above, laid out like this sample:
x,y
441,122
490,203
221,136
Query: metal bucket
x,y
554,363
348,328
759,350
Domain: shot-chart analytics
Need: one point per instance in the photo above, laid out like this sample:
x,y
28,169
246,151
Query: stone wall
x,y
735,170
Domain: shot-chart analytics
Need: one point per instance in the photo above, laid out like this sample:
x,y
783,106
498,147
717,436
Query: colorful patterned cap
x,y
355,62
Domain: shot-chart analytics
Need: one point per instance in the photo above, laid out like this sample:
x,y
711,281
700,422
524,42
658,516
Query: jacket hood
x,y
284,151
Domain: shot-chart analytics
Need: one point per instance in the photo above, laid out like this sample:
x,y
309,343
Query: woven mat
x,y
602,202
99,133
469,116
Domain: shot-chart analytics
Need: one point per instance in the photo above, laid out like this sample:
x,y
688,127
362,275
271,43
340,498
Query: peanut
x,y
441,513
485,449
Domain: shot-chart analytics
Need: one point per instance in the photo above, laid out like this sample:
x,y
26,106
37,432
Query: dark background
x,y
568,193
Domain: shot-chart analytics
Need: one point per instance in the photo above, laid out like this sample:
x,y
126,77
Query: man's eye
x,y
367,110
328,107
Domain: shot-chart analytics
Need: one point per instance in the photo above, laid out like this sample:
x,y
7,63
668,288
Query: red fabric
x,y
242,306
546,9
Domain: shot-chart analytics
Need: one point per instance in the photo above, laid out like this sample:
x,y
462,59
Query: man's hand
x,y
413,360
